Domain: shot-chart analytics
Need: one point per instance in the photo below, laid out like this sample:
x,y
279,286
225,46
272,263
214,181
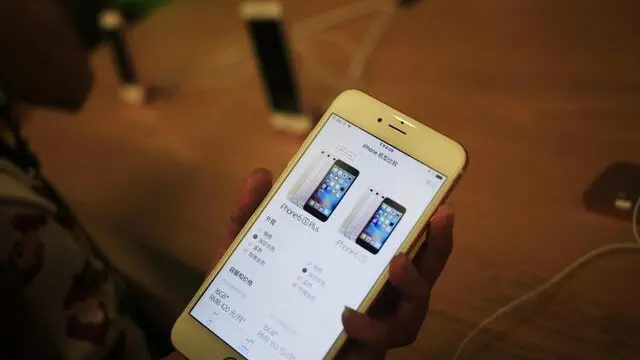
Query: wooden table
x,y
544,94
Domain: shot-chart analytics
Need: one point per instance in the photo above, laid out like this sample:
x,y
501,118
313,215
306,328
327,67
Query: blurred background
x,y
543,94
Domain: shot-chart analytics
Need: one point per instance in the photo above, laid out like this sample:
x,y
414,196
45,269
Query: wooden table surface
x,y
544,94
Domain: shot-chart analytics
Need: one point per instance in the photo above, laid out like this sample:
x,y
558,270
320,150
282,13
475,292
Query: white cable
x,y
359,57
634,219
572,267
359,61
337,16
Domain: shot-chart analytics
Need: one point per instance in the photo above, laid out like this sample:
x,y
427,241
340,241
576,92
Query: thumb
x,y
438,245
253,191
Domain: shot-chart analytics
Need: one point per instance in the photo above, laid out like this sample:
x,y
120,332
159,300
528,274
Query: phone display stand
x,y
131,91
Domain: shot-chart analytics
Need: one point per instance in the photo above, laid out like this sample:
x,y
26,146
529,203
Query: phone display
x,y
380,226
331,190
321,243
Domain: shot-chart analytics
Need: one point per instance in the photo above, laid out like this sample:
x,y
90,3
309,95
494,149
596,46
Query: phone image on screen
x,y
333,188
309,180
380,226
355,211
361,213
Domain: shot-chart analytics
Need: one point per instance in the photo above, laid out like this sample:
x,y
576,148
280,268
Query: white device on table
x,y
281,287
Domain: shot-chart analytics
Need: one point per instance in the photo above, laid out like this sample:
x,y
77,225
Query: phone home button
x,y
229,358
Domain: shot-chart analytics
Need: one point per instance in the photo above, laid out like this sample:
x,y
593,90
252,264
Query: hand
x,y
398,314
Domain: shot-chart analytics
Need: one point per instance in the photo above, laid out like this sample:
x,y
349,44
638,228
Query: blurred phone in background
x,y
265,26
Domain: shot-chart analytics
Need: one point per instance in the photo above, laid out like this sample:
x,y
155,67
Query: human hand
x,y
399,312
397,316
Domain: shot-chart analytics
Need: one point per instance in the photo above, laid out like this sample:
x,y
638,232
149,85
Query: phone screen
x,y
281,293
331,190
380,226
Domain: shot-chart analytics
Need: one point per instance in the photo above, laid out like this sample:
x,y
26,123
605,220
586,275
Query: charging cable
x,y
635,245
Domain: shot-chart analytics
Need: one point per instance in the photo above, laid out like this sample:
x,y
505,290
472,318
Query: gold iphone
x,y
280,289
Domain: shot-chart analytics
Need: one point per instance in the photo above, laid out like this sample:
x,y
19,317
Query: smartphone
x,y
380,226
264,24
280,289
331,190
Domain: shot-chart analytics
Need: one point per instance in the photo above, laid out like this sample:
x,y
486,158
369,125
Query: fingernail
x,y
258,176
402,259
445,216
450,218
448,210
347,312
399,267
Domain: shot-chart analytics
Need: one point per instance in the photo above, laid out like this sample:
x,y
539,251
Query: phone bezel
x,y
424,144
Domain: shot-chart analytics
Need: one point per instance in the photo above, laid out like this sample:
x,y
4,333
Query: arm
x,y
42,61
